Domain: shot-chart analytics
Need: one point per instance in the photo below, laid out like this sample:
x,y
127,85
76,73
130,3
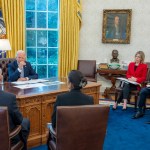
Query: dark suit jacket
x,y
9,100
14,74
72,98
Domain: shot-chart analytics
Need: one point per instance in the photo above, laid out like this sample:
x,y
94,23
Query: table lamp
x,y
4,46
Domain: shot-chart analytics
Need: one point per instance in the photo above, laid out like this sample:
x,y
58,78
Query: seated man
x,y
15,117
142,100
21,70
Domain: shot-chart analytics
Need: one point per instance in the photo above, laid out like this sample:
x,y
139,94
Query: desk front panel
x,y
37,105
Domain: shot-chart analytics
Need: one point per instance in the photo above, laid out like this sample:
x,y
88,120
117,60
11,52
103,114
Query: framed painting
x,y
116,26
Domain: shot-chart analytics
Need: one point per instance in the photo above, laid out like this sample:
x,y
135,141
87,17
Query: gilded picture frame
x,y
116,26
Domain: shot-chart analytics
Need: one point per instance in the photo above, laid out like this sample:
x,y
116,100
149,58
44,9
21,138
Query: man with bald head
x,y
20,69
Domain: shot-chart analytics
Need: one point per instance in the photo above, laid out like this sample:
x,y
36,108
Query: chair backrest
x,y
88,68
4,129
81,127
4,65
148,71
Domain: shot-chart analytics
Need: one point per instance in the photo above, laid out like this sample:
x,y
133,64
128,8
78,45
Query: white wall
x,y
91,46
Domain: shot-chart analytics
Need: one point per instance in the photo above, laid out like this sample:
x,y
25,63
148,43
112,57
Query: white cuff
x,y
19,70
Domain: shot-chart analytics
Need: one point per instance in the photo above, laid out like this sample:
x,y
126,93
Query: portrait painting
x,y
116,26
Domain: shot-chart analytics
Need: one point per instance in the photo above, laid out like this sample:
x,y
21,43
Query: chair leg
x,y
135,105
116,96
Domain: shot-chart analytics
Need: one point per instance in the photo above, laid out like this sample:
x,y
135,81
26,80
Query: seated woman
x,y
74,97
136,72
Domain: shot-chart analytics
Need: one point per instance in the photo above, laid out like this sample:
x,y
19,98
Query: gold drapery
x,y
70,22
13,13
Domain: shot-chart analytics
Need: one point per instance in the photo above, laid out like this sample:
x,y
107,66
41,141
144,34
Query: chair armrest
x,y
51,130
14,132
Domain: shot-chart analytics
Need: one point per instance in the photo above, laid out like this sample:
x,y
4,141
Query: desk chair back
x,y
81,127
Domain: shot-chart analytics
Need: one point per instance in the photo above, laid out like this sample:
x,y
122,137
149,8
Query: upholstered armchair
x,y
88,68
5,135
4,66
79,128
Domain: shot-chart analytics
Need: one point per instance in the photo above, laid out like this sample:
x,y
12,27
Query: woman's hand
x,y
132,79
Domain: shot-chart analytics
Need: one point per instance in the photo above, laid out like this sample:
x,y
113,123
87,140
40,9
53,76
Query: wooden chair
x,y
5,135
134,93
88,68
79,128
4,65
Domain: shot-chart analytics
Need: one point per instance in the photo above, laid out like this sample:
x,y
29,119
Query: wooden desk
x,y
111,74
37,105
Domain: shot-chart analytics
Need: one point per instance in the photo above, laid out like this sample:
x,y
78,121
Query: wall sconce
x,y
4,46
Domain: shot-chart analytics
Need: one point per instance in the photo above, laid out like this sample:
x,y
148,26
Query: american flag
x,y
2,24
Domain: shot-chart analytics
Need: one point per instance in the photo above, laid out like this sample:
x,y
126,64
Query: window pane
x,y
30,19
52,5
53,55
52,39
52,71
41,20
31,55
31,38
41,55
42,38
42,71
30,5
41,5
52,20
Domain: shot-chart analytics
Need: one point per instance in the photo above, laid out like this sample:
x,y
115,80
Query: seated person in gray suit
x,y
74,97
20,69
15,117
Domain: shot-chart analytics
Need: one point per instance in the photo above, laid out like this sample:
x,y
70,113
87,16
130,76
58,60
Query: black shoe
x,y
114,108
138,115
147,122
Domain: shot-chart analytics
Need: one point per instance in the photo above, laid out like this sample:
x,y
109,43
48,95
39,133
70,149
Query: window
x,y
42,30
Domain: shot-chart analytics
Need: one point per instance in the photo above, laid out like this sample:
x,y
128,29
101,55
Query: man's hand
x,y
22,79
21,64
1,77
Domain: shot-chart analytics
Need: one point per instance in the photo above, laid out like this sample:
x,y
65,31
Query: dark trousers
x,y
124,94
25,130
142,97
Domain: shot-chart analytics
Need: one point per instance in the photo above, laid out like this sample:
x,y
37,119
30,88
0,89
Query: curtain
x,y
70,22
13,13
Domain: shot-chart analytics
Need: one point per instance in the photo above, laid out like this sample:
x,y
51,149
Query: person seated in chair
x,y
136,72
74,97
15,117
144,93
20,69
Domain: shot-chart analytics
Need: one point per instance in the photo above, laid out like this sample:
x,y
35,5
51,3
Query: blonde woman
x,y
137,71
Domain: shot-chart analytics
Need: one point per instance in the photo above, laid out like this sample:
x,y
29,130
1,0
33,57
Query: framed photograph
x,y
116,26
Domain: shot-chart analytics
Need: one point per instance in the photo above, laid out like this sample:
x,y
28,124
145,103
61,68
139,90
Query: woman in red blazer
x,y
136,72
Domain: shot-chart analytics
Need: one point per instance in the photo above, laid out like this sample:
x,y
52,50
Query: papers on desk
x,y
29,82
28,86
127,81
36,84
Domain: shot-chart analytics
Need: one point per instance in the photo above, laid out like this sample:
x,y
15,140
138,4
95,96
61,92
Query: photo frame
x,y
116,26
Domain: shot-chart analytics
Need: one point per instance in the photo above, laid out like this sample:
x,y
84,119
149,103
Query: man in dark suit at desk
x,y
21,70
15,117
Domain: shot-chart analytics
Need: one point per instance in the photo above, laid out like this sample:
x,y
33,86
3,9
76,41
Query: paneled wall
x,y
91,46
